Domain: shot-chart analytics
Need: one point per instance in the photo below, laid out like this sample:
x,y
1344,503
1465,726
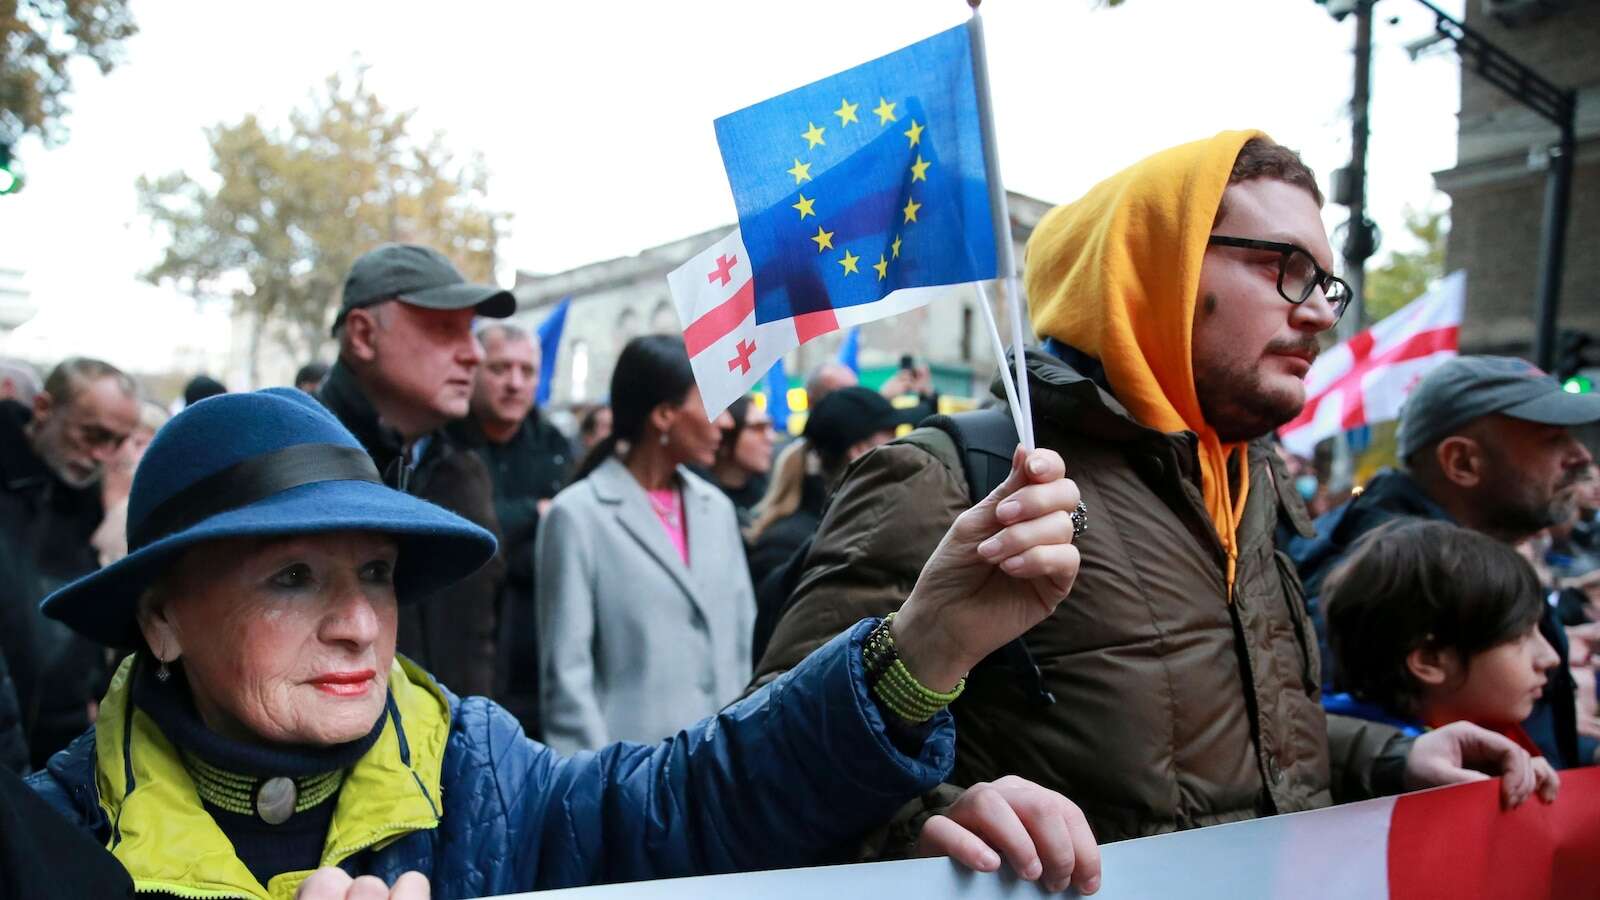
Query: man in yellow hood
x,y
1179,303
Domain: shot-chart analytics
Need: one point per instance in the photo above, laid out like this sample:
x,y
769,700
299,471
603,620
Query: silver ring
x,y
1080,520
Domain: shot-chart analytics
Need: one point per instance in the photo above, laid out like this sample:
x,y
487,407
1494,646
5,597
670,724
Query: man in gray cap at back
x,y
1485,442
406,361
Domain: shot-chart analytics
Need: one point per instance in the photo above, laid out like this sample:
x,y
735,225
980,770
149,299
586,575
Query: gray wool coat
x,y
633,644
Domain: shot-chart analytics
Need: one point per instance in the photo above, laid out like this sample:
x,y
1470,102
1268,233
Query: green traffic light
x,y
1578,384
10,181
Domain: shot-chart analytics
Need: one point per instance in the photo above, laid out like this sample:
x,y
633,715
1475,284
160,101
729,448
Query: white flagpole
x,y
1000,210
1000,356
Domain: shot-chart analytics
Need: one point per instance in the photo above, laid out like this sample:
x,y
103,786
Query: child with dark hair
x,y
1431,623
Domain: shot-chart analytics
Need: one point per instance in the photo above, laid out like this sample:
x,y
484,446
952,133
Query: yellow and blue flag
x,y
863,183
859,196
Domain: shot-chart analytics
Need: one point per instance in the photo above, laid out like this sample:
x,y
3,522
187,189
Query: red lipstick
x,y
345,684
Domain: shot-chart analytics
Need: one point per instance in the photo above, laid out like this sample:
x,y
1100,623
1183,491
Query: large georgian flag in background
x,y
860,196
1366,379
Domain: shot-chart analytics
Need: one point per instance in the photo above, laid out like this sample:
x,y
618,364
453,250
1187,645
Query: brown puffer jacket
x,y
1172,707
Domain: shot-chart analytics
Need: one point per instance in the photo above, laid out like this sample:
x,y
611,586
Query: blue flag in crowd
x,y
778,396
549,346
850,350
863,183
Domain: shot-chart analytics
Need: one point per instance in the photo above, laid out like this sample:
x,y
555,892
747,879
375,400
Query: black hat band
x,y
249,481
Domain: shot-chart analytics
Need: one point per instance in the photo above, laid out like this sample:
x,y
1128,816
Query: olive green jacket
x,y
1173,708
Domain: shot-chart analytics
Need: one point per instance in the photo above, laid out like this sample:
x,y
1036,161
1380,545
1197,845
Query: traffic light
x,y
10,179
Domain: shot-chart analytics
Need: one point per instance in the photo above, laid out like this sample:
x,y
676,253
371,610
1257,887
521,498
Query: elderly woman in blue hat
x,y
264,727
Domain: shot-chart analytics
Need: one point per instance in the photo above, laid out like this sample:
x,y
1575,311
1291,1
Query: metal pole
x,y
1552,248
1558,106
1357,242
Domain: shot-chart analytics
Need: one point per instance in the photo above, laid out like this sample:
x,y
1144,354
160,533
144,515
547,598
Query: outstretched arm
x,y
810,761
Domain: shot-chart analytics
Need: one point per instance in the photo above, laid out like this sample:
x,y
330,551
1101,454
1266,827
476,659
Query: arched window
x,y
664,319
627,325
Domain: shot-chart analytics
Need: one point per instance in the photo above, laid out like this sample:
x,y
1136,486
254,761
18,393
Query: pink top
x,y
668,504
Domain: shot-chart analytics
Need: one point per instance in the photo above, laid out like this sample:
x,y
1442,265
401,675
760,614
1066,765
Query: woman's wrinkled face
x,y
283,640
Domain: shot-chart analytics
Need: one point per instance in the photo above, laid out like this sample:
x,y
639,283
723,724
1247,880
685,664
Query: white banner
x,y
1285,856
1451,843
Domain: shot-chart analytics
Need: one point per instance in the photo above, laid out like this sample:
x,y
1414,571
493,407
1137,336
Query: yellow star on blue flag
x,y
918,202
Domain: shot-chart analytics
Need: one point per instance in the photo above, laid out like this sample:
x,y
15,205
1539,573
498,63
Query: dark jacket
x,y
780,779
532,466
773,569
453,635
1172,707
13,740
744,498
1394,495
45,526
45,857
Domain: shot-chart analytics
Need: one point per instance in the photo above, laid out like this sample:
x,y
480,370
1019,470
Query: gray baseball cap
x,y
1467,387
420,276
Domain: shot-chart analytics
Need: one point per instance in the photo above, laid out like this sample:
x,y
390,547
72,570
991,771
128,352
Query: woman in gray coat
x,y
645,603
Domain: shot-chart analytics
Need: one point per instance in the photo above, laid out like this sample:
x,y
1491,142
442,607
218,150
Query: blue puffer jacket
x,y
777,779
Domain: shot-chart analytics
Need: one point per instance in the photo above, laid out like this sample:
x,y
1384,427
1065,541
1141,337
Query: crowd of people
x,y
392,632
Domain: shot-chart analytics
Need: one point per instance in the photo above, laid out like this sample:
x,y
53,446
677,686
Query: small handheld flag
x,y
863,183
860,196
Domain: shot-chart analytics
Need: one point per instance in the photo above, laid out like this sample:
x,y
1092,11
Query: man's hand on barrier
x,y
1001,568
333,883
1042,834
1462,751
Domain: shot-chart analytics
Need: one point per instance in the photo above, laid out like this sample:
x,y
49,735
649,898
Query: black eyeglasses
x,y
1298,272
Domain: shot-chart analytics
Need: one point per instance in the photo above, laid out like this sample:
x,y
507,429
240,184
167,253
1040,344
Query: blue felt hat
x,y
273,462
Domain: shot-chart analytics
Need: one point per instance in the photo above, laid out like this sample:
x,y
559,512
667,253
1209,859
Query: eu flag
x,y
863,183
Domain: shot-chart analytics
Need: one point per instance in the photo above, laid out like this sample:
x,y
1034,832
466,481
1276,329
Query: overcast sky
x,y
594,117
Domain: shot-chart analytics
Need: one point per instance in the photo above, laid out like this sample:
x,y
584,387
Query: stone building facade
x,y
619,299
1498,183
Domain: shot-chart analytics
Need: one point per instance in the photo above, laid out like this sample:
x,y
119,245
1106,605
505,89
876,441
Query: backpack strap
x,y
979,445
986,440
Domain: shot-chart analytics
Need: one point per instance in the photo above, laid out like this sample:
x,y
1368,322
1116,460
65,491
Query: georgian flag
x,y
729,350
1366,379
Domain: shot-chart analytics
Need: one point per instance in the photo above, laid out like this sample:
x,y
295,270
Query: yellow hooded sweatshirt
x,y
1115,273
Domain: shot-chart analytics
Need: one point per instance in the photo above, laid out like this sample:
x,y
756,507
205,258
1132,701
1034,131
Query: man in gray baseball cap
x,y
419,276
1471,386
1485,442
407,357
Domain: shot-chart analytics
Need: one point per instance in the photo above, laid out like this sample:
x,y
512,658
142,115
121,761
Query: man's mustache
x,y
1306,346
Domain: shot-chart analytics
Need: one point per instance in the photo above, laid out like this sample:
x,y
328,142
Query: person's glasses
x,y
1298,272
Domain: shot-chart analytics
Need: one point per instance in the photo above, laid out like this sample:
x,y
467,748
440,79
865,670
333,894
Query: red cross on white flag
x,y
716,299
1366,379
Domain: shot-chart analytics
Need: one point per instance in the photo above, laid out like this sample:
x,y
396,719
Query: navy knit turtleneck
x,y
265,849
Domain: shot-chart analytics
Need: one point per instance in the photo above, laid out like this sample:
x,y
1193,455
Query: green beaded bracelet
x,y
893,684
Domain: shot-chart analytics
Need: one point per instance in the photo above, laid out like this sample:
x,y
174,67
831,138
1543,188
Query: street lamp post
x,y
1556,105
